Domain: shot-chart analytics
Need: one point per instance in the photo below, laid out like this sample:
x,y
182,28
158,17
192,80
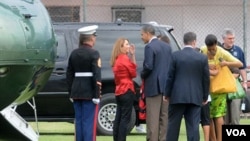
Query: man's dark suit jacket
x,y
188,80
157,57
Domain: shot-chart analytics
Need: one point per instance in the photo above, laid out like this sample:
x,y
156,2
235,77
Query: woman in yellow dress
x,y
217,56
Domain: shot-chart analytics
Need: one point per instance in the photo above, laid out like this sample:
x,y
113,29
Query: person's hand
x,y
213,70
100,86
244,85
204,102
165,98
71,100
132,49
96,100
212,66
223,63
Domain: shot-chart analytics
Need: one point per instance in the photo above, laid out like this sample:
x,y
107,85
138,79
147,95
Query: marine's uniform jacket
x,y
84,73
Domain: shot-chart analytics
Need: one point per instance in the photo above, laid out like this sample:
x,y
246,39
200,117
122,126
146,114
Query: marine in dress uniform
x,y
84,84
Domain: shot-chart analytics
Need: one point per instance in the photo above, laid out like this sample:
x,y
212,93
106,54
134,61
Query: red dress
x,y
124,72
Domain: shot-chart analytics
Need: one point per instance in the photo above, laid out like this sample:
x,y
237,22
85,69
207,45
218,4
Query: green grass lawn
x,y
62,131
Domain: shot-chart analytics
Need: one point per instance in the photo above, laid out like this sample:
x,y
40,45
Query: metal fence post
x,y
84,10
245,28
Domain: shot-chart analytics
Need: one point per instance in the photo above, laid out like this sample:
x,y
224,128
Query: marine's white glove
x,y
96,100
71,100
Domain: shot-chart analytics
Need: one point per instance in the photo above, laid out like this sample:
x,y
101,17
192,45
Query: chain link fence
x,y
200,16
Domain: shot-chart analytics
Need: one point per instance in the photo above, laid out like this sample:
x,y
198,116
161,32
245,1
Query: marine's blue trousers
x,y
85,120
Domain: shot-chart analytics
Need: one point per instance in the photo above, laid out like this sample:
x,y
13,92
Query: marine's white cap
x,y
88,30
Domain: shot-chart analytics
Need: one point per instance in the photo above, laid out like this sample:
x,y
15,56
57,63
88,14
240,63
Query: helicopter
x,y
27,56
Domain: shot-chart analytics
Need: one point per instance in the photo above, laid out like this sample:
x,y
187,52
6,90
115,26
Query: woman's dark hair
x,y
211,40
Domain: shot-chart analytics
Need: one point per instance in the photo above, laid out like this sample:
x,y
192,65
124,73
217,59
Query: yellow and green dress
x,y
218,103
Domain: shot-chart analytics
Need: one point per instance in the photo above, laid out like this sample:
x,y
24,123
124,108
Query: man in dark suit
x,y
157,57
84,84
187,89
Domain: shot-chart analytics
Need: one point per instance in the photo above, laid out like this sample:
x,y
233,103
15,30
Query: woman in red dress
x,y
123,64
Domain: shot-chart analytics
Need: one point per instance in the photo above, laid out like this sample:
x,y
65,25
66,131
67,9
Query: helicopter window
x,y
61,50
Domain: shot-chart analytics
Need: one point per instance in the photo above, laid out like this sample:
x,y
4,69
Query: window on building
x,y
127,13
64,13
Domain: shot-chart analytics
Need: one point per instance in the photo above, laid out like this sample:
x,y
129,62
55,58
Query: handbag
x,y
239,94
223,82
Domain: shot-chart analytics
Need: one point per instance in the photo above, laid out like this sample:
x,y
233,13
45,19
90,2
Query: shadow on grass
x,y
137,134
53,133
